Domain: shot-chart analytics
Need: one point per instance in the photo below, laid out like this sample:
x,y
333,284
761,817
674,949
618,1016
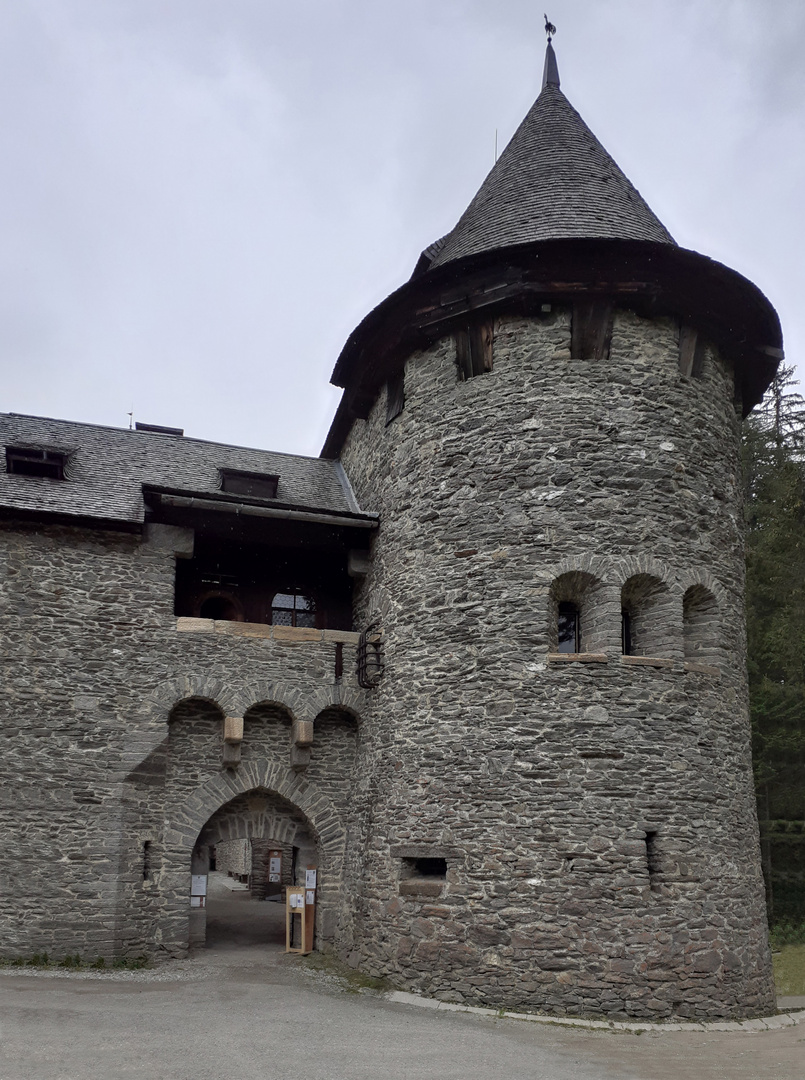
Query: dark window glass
x,y
25,462
568,627
293,609
626,633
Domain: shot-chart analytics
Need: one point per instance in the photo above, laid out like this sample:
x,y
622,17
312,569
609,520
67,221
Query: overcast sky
x,y
201,198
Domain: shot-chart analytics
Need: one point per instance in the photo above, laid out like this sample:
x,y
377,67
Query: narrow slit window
x,y
147,860
691,352
474,350
652,859
626,633
568,628
395,396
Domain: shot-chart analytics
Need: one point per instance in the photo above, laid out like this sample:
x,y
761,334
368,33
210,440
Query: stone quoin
x,y
482,662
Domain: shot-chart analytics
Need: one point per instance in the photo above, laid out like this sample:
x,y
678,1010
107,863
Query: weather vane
x,y
550,29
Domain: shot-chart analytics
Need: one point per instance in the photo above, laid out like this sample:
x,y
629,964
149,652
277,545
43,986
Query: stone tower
x,y
557,793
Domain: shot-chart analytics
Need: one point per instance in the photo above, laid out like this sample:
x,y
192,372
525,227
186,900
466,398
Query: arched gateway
x,y
262,800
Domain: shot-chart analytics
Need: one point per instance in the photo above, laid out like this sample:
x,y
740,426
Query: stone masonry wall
x,y
113,728
595,815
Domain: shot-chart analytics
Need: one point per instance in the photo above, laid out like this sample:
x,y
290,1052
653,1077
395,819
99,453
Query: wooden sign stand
x,y
295,905
301,900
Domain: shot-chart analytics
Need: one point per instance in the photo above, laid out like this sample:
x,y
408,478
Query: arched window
x,y
575,615
647,617
701,625
293,609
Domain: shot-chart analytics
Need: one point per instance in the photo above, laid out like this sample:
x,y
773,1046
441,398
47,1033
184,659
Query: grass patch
x,y
74,962
354,982
787,932
789,970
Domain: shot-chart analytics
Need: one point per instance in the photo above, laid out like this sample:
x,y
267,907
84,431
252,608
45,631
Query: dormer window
x,y
254,485
24,461
293,609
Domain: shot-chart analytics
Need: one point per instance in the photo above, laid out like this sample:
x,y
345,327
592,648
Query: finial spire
x,y
550,73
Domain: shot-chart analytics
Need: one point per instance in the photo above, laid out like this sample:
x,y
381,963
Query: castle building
x,y
482,663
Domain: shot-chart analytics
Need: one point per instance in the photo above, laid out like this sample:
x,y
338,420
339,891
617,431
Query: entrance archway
x,y
236,851
289,801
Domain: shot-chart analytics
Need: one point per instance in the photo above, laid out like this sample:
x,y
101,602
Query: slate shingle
x,y
108,466
553,181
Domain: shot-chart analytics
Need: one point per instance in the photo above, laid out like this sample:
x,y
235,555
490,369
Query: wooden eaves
x,y
649,278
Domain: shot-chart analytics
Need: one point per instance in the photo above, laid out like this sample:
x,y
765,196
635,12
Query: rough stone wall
x,y
595,815
261,850
113,727
234,856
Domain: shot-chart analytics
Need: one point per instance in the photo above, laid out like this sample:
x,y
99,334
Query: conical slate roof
x,y
553,181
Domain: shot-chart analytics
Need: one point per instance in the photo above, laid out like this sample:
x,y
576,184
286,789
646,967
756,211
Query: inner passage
x,y
244,907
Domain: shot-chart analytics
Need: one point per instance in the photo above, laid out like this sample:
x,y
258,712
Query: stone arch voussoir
x,y
188,821
167,695
631,566
704,578
302,703
594,565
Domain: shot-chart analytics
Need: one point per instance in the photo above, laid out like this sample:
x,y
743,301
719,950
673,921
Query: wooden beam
x,y
691,352
591,331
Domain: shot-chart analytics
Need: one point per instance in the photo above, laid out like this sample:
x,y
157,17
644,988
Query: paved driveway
x,y
245,1010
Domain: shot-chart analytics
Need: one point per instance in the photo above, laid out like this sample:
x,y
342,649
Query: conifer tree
x,y
774,475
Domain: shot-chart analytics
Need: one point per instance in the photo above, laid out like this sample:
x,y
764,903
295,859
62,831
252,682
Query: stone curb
x,y
768,1023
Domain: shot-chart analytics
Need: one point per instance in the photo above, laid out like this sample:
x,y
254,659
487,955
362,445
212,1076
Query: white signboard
x,y
297,900
195,901
310,879
273,877
198,885
310,897
274,867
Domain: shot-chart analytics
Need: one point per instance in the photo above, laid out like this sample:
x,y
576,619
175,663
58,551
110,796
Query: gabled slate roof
x,y
107,468
553,181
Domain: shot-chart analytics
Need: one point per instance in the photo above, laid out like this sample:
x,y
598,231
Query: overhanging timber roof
x,y
638,275
107,469
556,220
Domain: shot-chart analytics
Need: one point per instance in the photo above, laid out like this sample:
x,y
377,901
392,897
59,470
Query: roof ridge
x,y
149,434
